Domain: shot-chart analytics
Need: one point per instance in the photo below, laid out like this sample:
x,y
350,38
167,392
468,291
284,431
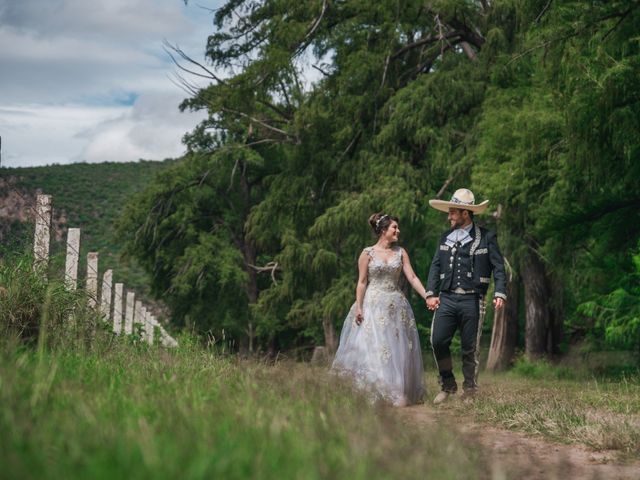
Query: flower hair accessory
x,y
380,219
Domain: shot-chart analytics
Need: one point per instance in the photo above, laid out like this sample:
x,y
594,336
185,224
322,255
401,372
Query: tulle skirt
x,y
383,354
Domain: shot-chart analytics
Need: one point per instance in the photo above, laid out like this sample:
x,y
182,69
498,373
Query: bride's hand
x,y
359,316
433,303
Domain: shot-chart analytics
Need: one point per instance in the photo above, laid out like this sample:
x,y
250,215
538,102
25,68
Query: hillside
x,y
88,196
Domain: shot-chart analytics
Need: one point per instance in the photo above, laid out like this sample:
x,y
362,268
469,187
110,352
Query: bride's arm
x,y
361,286
411,276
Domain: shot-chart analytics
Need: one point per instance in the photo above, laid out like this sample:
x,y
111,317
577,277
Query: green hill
x,y
87,196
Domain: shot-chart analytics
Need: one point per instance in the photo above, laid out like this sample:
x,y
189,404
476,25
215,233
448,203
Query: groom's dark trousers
x,y
465,269
456,312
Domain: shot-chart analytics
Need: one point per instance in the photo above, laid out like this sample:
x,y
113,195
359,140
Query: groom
x,y
458,280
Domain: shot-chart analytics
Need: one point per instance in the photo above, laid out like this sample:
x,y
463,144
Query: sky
x,y
89,80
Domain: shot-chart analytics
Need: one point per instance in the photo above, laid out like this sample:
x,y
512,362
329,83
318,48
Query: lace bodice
x,y
384,275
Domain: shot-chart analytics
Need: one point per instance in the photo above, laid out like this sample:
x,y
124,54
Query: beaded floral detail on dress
x,y
382,354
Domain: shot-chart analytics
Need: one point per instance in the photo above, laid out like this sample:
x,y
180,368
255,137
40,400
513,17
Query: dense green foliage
x,y
534,105
88,196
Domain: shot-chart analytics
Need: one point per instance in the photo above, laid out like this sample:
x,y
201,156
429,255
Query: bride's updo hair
x,y
380,222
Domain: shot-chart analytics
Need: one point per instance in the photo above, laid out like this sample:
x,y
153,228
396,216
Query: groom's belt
x,y
461,291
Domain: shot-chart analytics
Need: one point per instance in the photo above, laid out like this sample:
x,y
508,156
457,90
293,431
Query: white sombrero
x,y
462,198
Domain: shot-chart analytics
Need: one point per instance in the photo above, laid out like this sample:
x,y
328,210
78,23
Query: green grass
x,y
601,413
77,402
125,411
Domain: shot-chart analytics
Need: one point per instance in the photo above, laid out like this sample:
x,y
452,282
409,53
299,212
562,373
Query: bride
x,y
379,344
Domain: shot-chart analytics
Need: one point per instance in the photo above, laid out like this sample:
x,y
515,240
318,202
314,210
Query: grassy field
x,y
77,402
602,413
124,411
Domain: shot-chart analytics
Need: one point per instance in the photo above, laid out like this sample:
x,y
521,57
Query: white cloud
x,y
148,130
151,129
88,80
112,20
38,134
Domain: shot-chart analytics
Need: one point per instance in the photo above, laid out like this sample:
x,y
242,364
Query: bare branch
x,y
269,267
209,74
353,141
320,70
384,73
625,15
423,41
182,84
543,11
468,50
261,122
275,109
444,187
316,24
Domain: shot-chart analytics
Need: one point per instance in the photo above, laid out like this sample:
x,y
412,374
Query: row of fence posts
x,y
121,313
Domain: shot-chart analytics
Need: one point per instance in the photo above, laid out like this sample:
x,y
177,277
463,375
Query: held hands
x,y
433,302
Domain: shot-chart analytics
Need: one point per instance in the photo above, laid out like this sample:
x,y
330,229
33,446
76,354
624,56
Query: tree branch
x,y
269,267
316,24
209,74
261,122
444,187
424,41
543,11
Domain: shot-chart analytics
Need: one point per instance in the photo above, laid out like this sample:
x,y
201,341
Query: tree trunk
x,y
536,299
504,337
330,337
556,330
251,288
249,254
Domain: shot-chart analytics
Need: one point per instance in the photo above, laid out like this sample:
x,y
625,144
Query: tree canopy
x,y
323,112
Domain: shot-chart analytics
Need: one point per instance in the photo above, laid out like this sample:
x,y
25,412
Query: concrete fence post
x,y
137,315
106,295
117,308
73,254
151,322
92,279
42,235
143,323
128,320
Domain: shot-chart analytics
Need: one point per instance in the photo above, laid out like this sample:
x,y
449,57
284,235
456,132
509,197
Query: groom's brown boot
x,y
442,397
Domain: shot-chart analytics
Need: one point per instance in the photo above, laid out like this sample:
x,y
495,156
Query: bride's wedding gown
x,y
383,353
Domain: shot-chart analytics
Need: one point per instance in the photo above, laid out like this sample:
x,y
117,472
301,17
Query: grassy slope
x,y
89,196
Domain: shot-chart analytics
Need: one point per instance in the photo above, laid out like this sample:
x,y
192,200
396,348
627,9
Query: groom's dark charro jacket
x,y
468,267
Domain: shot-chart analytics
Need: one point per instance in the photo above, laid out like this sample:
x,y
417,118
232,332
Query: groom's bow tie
x,y
459,235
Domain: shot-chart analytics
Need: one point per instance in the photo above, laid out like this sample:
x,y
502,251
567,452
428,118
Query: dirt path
x,y
515,456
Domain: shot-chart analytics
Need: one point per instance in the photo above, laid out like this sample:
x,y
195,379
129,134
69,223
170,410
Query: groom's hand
x,y
433,302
